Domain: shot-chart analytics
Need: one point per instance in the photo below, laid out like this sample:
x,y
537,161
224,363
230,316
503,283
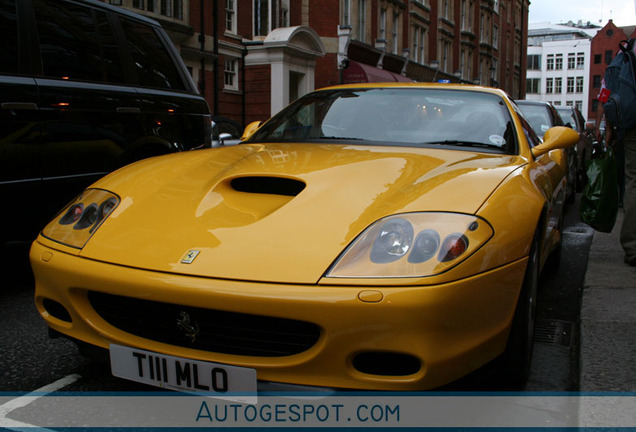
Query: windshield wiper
x,y
339,138
463,143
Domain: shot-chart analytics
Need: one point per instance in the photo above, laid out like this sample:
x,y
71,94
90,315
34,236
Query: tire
x,y
517,359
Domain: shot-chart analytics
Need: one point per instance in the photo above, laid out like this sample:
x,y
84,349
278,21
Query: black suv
x,y
84,89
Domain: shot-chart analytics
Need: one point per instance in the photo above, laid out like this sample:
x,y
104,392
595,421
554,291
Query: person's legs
x,y
628,230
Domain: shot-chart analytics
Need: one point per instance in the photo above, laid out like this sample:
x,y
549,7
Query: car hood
x,y
278,212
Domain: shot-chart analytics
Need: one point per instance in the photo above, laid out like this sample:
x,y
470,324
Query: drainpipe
x,y
202,49
215,36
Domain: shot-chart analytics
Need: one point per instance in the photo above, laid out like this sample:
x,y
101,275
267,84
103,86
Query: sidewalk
x,y
608,317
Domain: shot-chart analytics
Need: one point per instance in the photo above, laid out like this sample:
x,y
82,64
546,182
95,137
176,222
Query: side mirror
x,y
250,129
557,137
224,136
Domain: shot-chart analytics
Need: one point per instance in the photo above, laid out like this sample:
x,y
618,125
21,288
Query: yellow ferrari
x,y
379,236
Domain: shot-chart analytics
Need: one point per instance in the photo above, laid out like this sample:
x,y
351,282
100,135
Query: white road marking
x,y
25,400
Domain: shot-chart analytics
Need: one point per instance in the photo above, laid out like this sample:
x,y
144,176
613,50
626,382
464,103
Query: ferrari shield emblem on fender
x,y
189,256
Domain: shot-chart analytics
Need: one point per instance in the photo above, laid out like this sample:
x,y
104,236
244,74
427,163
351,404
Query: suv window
x,y
154,66
9,37
76,43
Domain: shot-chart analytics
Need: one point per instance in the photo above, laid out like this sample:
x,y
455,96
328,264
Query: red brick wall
x,y
327,73
606,39
257,86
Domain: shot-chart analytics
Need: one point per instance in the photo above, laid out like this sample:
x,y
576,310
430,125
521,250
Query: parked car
x,y
573,118
85,88
369,236
542,116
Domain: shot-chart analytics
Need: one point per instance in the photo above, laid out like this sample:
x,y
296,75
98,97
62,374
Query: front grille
x,y
216,331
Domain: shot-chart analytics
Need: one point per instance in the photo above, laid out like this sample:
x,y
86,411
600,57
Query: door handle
x,y
19,106
128,110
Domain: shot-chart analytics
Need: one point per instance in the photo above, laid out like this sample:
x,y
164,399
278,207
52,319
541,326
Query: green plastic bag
x,y
599,203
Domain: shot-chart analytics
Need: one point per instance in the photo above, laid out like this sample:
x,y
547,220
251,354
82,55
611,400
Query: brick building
x,y
252,57
604,47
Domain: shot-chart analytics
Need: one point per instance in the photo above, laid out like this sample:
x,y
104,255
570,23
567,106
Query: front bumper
x,y
448,329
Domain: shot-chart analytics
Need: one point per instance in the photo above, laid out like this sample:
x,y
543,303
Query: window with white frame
x,y
549,62
570,85
558,85
230,16
549,85
558,62
579,84
571,61
261,17
231,74
580,60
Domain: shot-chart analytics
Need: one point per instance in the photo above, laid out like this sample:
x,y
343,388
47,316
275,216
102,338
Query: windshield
x,y
395,116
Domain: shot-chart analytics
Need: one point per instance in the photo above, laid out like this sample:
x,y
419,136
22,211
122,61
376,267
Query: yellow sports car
x,y
368,236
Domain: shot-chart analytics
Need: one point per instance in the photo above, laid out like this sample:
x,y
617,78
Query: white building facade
x,y
559,64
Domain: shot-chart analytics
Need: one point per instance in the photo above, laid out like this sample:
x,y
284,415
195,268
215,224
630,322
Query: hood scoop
x,y
268,185
244,200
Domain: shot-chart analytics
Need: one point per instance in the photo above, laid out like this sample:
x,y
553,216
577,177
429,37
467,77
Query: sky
x,y
622,12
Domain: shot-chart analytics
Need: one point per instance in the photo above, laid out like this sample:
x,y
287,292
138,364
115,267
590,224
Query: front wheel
x,y
518,355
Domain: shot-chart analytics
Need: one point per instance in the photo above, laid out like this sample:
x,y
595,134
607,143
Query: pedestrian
x,y
627,140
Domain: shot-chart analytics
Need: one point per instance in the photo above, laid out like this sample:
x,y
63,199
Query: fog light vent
x,y
56,310
386,364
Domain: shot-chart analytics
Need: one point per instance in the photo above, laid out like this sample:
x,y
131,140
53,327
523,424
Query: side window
x,y
76,43
9,37
152,61
531,136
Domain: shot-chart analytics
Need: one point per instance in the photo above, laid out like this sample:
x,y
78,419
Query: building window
x,y
419,41
579,84
549,85
151,5
382,29
598,58
579,105
362,20
596,81
346,12
138,4
495,36
558,62
446,9
550,62
533,85
608,56
570,86
571,61
395,33
231,79
261,17
534,62
558,84
230,15
580,60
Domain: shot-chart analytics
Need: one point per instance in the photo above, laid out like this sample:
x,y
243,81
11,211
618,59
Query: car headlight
x,y
412,245
77,222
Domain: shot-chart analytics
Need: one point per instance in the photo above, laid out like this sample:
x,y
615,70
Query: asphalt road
x,y
30,360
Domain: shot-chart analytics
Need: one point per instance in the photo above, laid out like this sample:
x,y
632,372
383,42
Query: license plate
x,y
181,374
